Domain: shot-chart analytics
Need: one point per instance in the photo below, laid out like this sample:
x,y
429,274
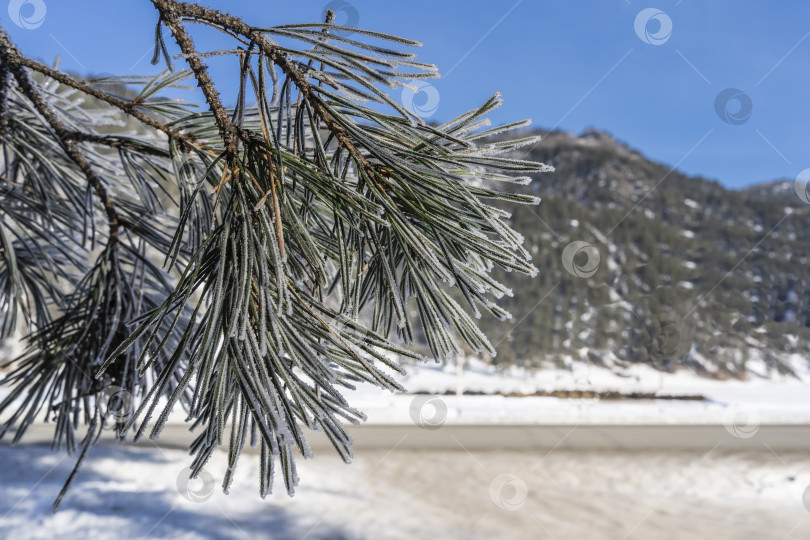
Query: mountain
x,y
783,190
641,263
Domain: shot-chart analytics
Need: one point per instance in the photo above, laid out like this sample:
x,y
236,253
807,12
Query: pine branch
x,y
333,213
172,10
130,108
10,57
226,128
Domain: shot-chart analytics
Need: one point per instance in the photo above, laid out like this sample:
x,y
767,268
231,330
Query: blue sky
x,y
567,64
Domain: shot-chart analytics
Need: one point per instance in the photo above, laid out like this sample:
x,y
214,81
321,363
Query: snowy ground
x,y
127,493
759,399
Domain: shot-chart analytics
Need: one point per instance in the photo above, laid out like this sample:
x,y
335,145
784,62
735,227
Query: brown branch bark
x,y
127,107
171,17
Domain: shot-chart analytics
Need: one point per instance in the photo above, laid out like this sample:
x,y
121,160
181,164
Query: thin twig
x,y
87,443
129,107
11,57
114,142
